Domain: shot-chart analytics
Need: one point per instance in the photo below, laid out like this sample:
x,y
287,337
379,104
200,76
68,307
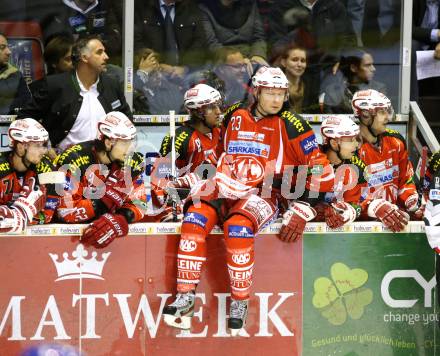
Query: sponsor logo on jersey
x,y
187,245
383,177
309,144
248,147
4,167
434,194
241,258
251,136
239,231
51,203
195,218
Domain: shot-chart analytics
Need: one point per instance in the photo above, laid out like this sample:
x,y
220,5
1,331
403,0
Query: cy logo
x,y
241,258
187,245
342,294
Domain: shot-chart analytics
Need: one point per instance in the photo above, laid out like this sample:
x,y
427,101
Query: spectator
x,y
172,29
14,92
426,36
235,70
293,62
58,54
26,195
58,58
237,24
375,18
157,88
111,155
356,72
71,103
79,18
326,20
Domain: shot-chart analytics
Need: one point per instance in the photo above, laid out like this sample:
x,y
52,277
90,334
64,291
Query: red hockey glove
x,y
412,203
116,191
186,181
11,220
390,215
294,221
31,200
104,230
339,213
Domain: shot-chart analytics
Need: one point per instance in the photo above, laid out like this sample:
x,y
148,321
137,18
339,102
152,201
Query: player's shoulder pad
x,y
231,109
295,124
137,163
181,141
395,134
360,164
45,165
434,162
78,156
5,166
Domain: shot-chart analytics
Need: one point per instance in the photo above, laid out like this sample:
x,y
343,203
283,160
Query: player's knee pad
x,y
199,219
258,210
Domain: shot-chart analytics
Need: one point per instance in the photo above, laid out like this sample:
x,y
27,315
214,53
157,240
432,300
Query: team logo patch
x,y
187,245
195,218
309,144
241,258
239,231
434,194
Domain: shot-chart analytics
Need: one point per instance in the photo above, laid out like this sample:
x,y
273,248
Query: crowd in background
x,y
327,48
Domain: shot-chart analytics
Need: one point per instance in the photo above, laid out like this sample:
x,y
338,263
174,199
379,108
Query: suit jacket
x,y
189,30
418,33
56,102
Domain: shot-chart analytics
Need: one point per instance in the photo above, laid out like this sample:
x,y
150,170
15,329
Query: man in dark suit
x,y
173,29
70,104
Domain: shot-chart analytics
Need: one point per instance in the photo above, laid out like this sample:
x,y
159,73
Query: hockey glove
x,y
186,181
412,203
339,213
31,199
11,220
294,221
391,216
104,230
116,192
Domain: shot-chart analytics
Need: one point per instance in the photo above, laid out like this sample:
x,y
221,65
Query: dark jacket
x,y
14,92
248,38
56,103
418,33
189,31
328,22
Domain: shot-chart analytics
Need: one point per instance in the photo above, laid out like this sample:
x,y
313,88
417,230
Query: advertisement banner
x,y
368,294
331,293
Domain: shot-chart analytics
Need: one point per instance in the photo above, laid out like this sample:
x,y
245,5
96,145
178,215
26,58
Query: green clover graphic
x,y
342,294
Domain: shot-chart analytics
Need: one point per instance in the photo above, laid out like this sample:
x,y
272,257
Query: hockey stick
x,y
423,165
173,158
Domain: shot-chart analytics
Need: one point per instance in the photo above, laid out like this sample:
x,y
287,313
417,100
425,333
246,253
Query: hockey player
x,y
389,172
432,211
341,139
25,172
196,143
104,183
254,138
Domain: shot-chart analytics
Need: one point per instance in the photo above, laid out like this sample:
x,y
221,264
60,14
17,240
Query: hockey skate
x,y
237,316
179,313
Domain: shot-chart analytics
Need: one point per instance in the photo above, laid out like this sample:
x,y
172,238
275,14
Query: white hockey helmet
x,y
201,95
116,125
270,77
338,127
27,130
370,101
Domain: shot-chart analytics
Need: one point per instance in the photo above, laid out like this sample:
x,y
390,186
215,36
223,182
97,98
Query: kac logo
x,y
187,245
